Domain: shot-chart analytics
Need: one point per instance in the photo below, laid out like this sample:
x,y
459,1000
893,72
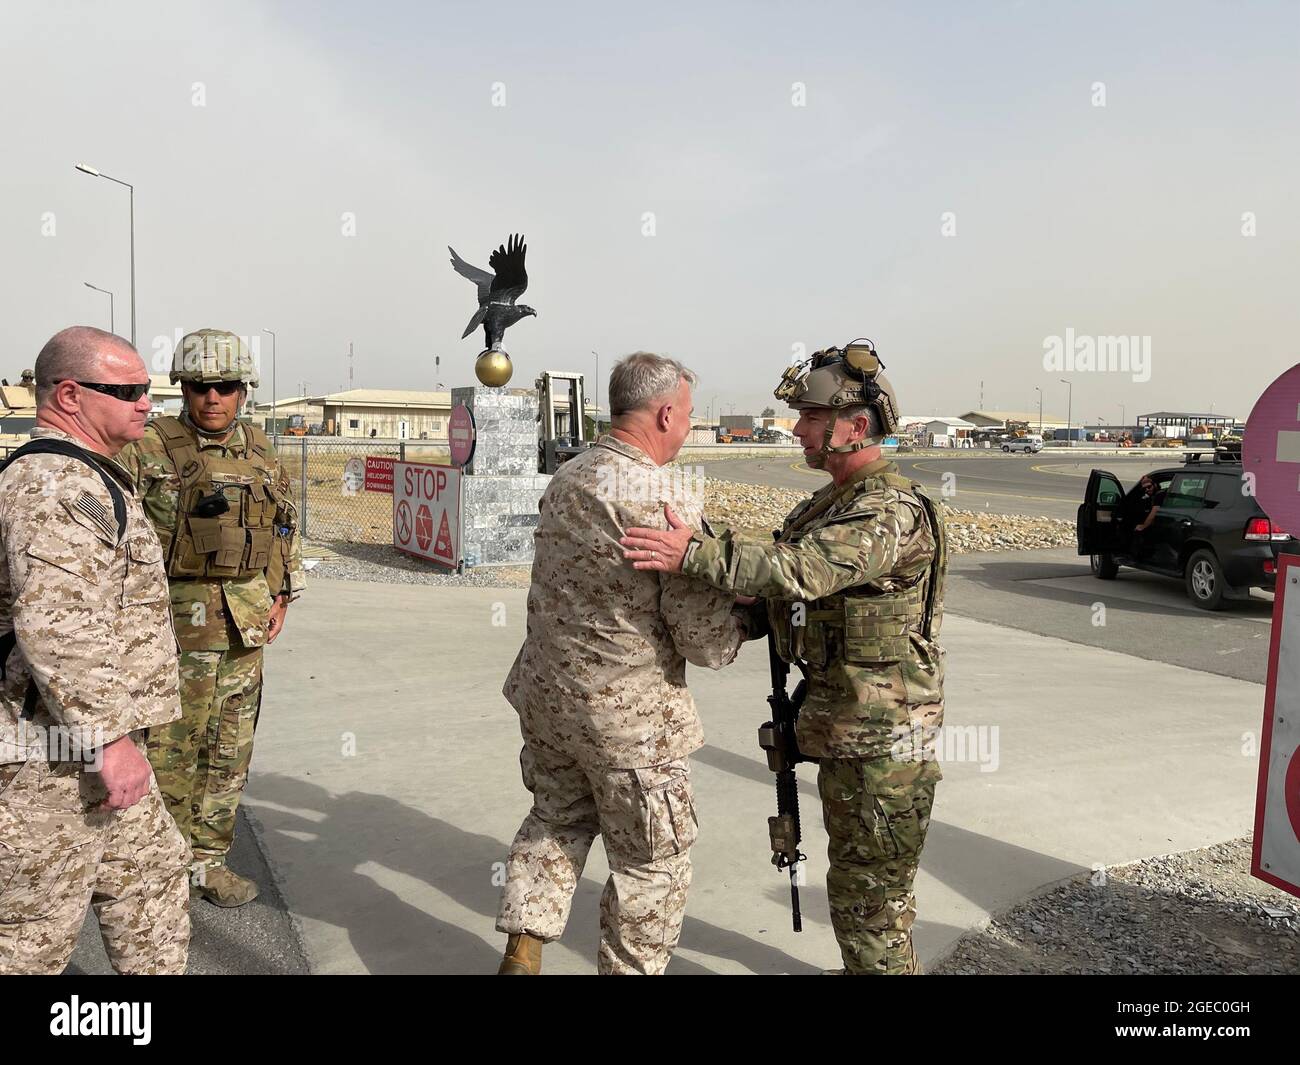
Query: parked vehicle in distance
x,y
1028,444
1207,532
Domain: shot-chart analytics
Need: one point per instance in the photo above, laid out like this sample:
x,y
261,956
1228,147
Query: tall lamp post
x,y
85,169
1040,409
111,327
1069,412
275,411
597,354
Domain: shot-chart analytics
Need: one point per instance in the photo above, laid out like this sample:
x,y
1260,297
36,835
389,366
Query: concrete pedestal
x,y
501,486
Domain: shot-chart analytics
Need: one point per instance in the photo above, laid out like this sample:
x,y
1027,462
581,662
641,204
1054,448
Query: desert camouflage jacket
x,y
88,615
602,672
844,588
210,613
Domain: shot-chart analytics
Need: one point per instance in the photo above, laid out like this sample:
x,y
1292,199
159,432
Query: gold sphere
x,y
493,368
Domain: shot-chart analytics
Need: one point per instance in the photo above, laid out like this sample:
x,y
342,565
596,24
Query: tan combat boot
x,y
523,956
221,887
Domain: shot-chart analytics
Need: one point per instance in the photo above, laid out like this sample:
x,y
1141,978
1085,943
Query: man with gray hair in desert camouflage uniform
x,y
87,664
600,689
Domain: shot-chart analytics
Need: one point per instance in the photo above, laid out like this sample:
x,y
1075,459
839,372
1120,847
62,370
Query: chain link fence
x,y
332,508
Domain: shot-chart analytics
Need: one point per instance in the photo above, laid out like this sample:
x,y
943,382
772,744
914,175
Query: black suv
x,y
1208,532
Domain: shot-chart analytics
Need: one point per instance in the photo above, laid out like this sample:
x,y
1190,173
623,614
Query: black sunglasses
x,y
126,393
224,388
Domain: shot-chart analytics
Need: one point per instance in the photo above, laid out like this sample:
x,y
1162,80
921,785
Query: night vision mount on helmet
x,y
841,379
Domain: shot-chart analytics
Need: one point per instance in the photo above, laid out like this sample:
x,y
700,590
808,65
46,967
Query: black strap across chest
x,y
70,450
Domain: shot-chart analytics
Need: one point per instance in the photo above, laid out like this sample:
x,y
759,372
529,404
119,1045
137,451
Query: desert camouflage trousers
x,y
876,815
58,856
646,818
201,761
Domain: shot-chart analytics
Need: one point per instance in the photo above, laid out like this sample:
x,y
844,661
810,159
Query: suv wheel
x,y
1104,567
1006,447
1205,583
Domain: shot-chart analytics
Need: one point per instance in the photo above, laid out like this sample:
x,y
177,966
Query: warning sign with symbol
x,y
426,511
1276,856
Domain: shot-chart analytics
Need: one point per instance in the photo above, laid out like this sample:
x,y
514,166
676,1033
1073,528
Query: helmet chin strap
x,y
212,434
818,461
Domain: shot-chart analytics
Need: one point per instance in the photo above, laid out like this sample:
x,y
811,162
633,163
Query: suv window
x,y
1225,491
1187,492
1108,493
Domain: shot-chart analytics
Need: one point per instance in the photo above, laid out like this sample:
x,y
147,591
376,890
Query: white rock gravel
x,y
1198,912
754,508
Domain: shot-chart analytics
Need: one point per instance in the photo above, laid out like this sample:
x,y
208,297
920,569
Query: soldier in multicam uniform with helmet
x,y
87,664
852,592
222,505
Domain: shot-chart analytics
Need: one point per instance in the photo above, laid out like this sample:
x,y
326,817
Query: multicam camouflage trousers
x,y
58,856
201,761
876,815
647,820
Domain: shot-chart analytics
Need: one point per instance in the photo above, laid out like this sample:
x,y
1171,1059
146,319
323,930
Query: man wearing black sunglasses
x,y
87,665
223,508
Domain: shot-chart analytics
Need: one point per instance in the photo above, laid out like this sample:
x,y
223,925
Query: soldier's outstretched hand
x,y
657,549
125,772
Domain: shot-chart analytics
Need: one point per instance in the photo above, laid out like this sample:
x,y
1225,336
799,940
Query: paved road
x,y
387,788
1045,484
1053,593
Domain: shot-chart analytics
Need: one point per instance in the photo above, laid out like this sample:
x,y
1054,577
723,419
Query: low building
x,y
948,432
167,397
997,419
278,416
736,421
388,413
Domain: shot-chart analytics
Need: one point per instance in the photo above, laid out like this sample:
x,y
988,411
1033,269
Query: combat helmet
x,y
840,378
209,355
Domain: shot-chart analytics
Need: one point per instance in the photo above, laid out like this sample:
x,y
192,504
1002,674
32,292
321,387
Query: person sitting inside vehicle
x,y
1142,505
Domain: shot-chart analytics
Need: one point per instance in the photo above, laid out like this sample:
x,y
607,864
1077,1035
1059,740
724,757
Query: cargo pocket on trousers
x,y
42,861
894,828
671,825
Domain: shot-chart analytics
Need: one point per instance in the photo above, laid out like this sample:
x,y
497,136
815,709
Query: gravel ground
x,y
755,508
1199,912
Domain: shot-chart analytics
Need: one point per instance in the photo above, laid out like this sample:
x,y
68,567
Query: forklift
x,y
561,433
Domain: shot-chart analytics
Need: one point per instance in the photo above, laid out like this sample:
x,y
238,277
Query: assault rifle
x,y
777,738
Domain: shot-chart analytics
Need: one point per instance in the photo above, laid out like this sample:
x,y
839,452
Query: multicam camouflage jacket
x,y
84,615
602,672
216,613
854,596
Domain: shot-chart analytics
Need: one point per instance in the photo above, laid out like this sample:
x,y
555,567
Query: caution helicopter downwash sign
x,y
426,511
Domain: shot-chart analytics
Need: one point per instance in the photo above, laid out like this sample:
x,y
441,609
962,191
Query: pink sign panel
x,y
460,435
1270,450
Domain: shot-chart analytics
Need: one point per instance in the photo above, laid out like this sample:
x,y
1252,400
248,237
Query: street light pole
x,y
112,328
85,169
1069,412
597,354
275,411
1040,409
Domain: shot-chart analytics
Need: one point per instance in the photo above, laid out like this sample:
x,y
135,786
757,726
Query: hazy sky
x,y
774,224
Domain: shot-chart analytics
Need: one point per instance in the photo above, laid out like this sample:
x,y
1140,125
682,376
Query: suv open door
x,y
1097,526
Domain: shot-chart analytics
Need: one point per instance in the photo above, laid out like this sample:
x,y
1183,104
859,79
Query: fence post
x,y
302,518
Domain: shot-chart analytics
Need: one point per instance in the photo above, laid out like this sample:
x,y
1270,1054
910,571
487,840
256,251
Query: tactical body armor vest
x,y
237,541
861,626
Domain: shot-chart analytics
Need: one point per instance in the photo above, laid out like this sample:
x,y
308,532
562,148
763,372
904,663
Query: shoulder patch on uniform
x,y
99,514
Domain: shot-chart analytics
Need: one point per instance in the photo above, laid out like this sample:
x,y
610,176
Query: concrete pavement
x,y
385,787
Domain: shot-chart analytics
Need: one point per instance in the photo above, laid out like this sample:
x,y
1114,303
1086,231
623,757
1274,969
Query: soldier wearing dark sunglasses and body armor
x,y
851,593
223,509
